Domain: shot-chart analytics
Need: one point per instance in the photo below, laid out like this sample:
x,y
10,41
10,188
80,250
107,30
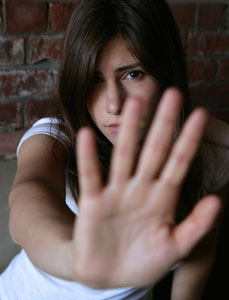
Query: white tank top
x,y
24,281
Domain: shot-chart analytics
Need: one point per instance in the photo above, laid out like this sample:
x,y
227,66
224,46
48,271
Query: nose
x,y
115,98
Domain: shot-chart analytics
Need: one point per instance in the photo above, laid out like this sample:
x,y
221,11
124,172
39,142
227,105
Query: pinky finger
x,y
201,220
90,181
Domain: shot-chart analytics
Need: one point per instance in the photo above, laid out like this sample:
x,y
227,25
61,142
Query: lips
x,y
114,128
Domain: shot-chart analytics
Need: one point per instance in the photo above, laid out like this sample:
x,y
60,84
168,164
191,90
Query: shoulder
x,y
41,161
46,126
217,132
42,149
42,155
40,169
215,155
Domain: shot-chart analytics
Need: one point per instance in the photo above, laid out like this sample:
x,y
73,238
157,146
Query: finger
x,y
201,220
185,148
90,181
160,135
125,150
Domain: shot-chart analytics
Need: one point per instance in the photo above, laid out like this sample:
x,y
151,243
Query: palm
x,y
125,232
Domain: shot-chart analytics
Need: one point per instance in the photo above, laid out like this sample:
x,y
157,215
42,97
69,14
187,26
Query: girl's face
x,y
119,77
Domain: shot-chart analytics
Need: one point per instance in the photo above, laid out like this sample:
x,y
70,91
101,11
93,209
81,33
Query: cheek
x,y
95,104
151,101
92,107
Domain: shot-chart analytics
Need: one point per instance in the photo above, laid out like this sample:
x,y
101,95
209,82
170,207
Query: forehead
x,y
114,54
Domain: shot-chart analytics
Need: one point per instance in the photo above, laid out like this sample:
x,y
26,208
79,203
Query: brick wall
x,y
31,35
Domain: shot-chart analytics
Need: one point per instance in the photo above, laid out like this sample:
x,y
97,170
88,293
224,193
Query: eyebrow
x,y
124,68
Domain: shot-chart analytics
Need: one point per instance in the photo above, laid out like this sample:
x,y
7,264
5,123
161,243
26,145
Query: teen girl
x,y
98,226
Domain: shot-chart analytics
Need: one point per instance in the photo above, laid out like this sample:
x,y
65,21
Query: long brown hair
x,y
151,35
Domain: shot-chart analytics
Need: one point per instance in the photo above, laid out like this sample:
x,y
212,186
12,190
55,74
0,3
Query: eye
x,y
135,74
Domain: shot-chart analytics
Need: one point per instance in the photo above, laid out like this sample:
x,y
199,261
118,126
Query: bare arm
x,y
40,222
191,277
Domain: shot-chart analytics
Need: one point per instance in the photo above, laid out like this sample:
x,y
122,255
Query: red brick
x,y
20,83
206,43
201,70
9,142
36,109
211,16
184,14
60,15
221,114
10,115
23,16
11,50
223,73
44,48
210,95
224,43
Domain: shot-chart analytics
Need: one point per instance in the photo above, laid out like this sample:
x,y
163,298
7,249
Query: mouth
x,y
114,128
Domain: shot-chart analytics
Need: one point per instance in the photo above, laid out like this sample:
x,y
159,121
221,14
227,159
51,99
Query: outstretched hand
x,y
125,234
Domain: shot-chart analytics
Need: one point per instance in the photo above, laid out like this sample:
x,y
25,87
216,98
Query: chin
x,y
112,139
